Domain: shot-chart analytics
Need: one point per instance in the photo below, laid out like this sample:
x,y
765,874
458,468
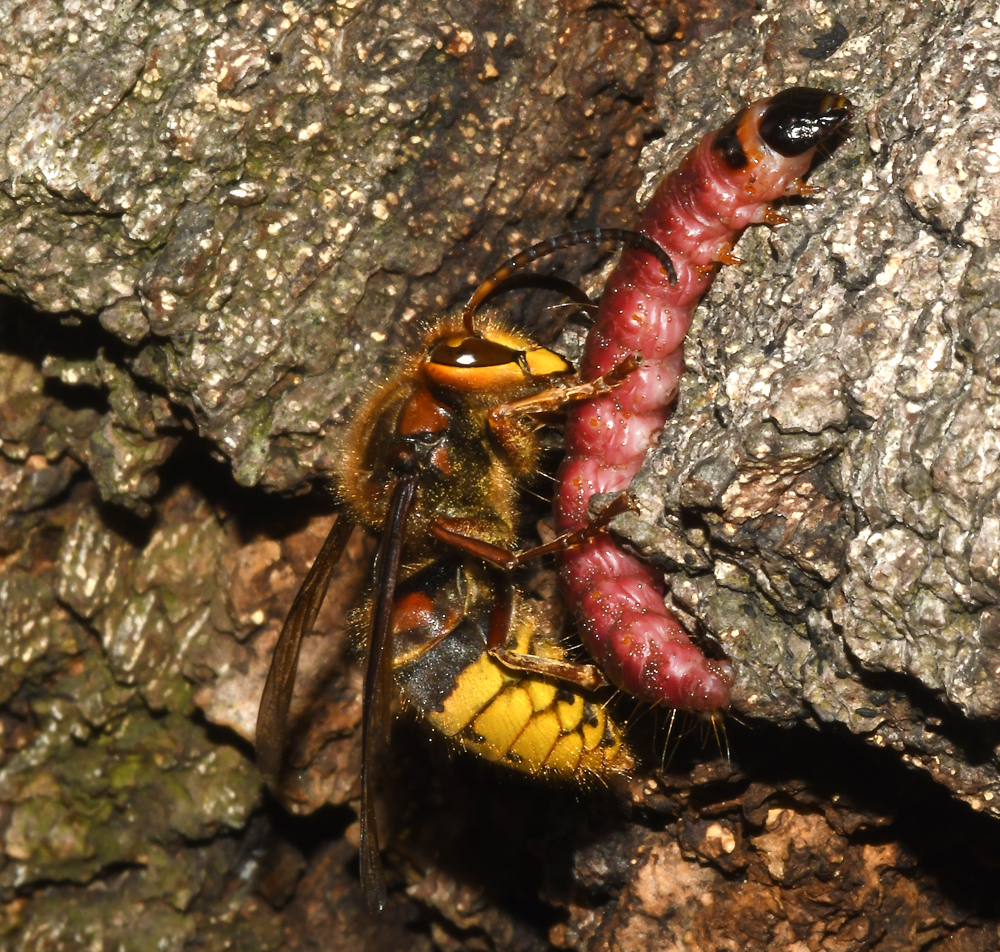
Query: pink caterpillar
x,y
728,181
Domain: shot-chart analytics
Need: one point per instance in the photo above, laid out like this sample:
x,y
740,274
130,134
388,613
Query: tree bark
x,y
220,224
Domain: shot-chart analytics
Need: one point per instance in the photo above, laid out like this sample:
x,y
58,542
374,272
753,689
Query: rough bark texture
x,y
830,480
228,219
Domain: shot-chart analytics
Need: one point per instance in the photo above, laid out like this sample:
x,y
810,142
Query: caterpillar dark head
x,y
801,118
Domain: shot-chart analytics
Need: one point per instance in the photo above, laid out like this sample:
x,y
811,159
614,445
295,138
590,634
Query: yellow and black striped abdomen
x,y
526,722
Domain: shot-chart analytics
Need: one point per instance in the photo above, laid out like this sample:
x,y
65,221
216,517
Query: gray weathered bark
x,y
230,219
